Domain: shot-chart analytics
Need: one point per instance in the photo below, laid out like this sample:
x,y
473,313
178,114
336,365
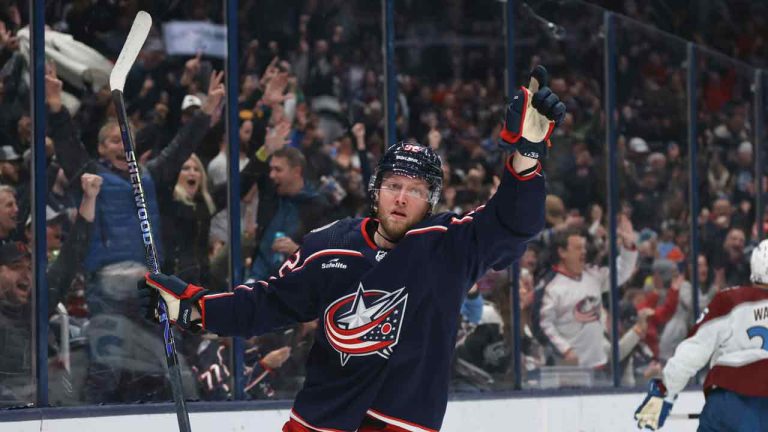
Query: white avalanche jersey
x,y
732,335
569,314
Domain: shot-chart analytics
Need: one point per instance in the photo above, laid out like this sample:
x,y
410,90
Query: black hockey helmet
x,y
409,159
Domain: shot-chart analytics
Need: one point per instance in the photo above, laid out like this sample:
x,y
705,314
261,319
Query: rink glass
x,y
110,354
653,191
450,65
476,53
572,49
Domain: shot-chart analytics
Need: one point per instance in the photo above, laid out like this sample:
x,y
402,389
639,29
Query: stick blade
x,y
133,43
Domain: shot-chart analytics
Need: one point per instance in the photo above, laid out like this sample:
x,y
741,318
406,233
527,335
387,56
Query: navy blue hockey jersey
x,y
388,319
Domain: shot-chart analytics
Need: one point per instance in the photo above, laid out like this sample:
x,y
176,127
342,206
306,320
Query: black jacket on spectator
x,y
16,386
712,238
63,269
736,272
318,163
185,236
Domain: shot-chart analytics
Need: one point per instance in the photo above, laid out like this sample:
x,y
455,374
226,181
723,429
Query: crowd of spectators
x,y
656,303
733,27
311,127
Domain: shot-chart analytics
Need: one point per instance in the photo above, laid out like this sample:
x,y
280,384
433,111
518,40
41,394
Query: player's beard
x,y
394,230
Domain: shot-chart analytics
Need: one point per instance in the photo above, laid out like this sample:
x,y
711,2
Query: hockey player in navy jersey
x,y
732,337
387,289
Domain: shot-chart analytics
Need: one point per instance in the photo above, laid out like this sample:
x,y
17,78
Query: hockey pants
x,y
369,425
726,411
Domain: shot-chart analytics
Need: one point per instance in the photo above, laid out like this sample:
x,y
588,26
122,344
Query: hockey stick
x,y
131,48
690,416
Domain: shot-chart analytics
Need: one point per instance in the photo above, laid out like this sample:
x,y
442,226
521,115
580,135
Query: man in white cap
x,y
189,106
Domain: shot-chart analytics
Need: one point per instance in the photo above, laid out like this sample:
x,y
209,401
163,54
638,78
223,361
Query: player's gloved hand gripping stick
x,y
133,43
180,298
531,116
656,406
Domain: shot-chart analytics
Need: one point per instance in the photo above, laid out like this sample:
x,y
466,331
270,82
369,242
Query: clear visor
x,y
399,182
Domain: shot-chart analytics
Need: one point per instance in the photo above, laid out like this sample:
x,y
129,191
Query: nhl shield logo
x,y
365,322
380,255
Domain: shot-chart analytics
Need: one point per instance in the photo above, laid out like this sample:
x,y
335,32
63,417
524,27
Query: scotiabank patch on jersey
x,y
365,322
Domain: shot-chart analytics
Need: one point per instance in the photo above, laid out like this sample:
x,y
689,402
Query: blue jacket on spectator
x,y
116,236
286,219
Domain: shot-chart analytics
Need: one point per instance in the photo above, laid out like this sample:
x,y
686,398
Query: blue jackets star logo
x,y
365,322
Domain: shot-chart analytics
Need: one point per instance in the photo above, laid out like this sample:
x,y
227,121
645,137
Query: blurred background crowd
x,y
311,127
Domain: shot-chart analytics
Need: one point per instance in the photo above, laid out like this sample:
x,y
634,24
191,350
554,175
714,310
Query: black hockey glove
x,y
532,116
179,296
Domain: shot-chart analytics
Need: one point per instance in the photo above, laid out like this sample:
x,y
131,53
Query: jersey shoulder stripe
x,y
724,301
297,418
399,423
325,252
442,221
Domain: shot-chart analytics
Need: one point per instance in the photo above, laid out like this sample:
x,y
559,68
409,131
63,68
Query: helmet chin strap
x,y
378,231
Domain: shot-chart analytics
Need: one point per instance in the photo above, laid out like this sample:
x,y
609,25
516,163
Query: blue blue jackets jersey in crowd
x,y
387,319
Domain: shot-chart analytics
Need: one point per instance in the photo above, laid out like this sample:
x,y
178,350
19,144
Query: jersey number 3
x,y
761,332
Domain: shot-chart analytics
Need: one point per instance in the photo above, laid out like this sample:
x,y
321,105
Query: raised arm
x,y
664,312
494,235
257,169
166,166
626,263
62,271
627,239
358,130
70,153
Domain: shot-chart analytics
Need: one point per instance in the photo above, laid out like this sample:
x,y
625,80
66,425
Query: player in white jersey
x,y
732,336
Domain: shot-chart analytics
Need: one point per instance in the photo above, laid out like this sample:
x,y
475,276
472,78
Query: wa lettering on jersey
x,y
387,319
761,313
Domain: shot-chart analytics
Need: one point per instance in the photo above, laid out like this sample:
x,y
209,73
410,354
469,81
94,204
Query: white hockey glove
x,y
532,116
654,410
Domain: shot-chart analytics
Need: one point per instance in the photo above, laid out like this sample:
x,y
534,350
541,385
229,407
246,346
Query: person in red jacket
x,y
665,278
